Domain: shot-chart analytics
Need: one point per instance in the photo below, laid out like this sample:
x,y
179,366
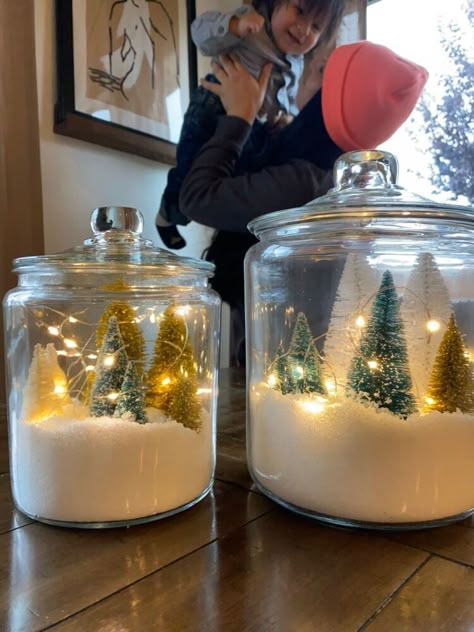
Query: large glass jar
x,y
360,353
111,353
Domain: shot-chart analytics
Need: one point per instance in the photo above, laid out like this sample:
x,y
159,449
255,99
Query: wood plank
x,y
439,597
54,572
281,572
10,518
231,469
455,541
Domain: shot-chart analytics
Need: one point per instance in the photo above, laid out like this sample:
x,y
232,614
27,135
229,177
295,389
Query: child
x,y
281,32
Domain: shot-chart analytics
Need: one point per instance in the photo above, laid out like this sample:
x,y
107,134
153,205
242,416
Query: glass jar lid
x,y
117,241
365,188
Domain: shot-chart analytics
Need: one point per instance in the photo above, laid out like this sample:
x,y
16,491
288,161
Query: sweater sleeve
x,y
213,196
210,31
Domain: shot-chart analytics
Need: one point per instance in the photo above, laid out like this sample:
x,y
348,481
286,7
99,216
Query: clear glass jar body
x,y
112,386
360,359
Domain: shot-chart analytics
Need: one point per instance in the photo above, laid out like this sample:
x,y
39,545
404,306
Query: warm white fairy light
x,y
430,401
89,368
298,370
152,318
112,396
433,325
373,364
330,385
72,319
70,343
360,321
109,360
271,380
59,389
166,381
203,391
92,356
54,331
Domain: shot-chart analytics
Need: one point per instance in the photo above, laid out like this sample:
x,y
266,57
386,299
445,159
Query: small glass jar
x,y
360,353
111,354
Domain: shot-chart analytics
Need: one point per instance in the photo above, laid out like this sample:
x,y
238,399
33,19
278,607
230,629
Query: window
x,y
435,148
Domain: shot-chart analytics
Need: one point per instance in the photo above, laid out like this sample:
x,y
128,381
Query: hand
x,y
249,23
282,120
241,94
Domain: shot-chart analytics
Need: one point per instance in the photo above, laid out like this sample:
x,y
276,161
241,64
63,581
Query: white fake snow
x,y
87,469
357,462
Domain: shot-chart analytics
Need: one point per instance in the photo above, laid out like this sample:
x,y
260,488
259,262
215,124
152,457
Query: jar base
x,y
111,524
361,524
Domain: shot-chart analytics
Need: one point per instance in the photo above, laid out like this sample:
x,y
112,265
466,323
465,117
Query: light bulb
x,y
360,321
109,360
433,325
54,331
70,343
330,385
373,364
272,380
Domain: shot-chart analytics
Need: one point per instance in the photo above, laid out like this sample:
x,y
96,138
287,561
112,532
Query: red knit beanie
x,y
368,92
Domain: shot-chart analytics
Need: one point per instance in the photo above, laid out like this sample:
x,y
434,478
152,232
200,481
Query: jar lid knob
x,y
121,218
367,169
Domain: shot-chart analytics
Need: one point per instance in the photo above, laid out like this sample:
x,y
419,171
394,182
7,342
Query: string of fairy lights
x,y
315,403
67,332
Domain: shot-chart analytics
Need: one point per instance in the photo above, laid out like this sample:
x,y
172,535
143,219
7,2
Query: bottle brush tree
x,y
284,379
130,330
451,385
379,371
172,358
303,359
131,400
110,370
46,391
184,405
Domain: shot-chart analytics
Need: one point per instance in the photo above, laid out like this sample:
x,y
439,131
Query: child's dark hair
x,y
333,11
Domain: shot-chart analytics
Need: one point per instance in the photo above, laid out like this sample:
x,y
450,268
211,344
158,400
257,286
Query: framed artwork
x,y
125,71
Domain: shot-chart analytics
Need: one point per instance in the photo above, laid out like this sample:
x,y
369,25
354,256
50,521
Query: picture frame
x,y
125,72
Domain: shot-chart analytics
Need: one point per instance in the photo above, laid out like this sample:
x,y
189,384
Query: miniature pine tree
x,y
451,385
357,287
131,399
172,357
303,359
379,372
132,335
46,391
284,379
426,309
184,405
109,371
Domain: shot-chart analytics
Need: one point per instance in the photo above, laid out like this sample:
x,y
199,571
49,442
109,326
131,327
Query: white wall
x,y
78,176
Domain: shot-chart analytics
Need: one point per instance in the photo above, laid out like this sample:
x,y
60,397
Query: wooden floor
x,y
236,561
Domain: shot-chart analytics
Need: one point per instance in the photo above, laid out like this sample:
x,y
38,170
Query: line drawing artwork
x,y
141,41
